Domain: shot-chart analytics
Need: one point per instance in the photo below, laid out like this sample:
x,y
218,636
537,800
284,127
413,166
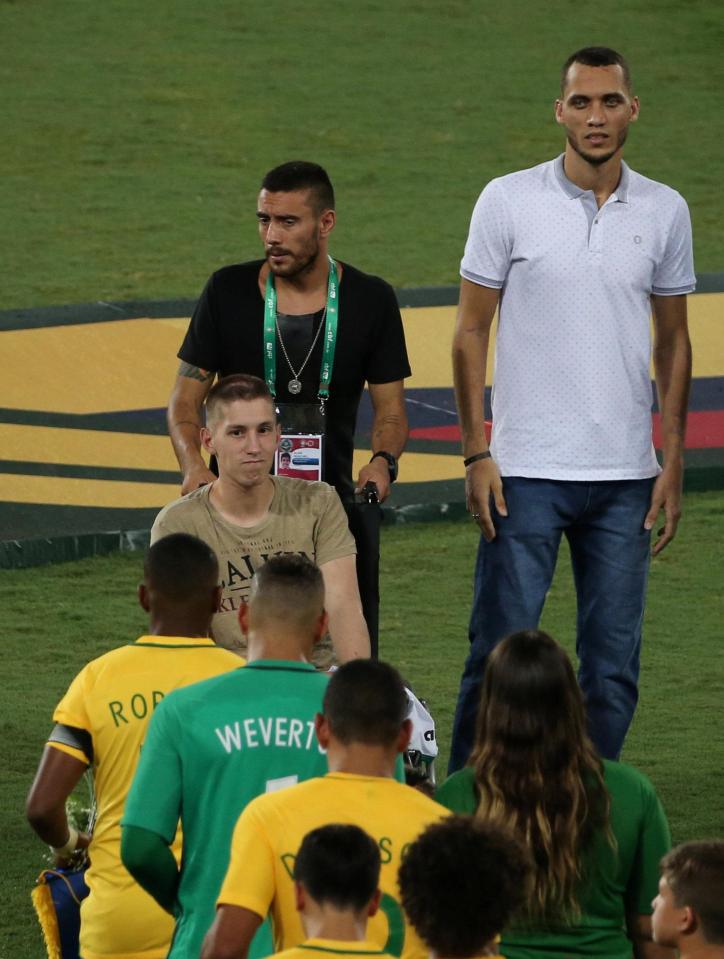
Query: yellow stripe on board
x,y
47,444
131,364
91,367
85,492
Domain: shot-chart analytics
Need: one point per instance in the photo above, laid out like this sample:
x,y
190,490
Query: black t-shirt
x,y
226,334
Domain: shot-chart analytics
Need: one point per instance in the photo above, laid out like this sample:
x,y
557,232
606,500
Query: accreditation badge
x,y
301,448
300,456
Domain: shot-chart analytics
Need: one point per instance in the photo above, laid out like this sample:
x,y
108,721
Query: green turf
x,y
135,134
56,618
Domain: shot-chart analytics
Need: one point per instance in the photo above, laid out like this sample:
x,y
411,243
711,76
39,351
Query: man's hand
x,y
482,481
378,471
199,476
78,854
666,495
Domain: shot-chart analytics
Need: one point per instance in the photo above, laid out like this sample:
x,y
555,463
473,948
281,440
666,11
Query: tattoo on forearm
x,y
195,372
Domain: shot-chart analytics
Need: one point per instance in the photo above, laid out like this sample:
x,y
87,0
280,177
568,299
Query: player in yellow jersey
x,y
363,727
460,883
336,876
101,722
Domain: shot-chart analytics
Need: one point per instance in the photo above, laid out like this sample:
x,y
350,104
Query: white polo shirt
x,y
572,395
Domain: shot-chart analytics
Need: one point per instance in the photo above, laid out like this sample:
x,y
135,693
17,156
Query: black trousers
x,y
364,524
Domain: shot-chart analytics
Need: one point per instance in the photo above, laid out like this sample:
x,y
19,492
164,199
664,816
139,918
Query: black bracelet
x,y
478,456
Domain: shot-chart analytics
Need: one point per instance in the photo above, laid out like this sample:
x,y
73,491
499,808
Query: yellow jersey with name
x,y
112,699
271,829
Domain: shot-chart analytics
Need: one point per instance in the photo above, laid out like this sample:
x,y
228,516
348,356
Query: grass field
x,y
136,134
59,617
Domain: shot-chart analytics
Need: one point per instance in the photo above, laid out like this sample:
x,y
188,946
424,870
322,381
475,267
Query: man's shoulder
x,y
237,275
530,178
109,664
425,807
243,686
176,514
300,796
211,689
365,283
656,191
323,790
303,494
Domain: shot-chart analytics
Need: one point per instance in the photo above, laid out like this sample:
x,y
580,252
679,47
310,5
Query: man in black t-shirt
x,y
235,330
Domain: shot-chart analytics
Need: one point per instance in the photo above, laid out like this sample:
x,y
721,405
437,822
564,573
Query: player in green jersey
x,y
221,744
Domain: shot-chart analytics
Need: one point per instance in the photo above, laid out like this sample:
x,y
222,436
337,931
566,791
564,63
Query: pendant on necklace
x,y
294,386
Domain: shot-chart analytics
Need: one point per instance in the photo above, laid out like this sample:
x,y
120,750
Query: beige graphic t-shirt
x,y
304,517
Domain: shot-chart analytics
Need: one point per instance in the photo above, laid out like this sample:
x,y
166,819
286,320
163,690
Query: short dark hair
x,y
339,865
239,386
301,175
695,874
596,57
460,882
181,568
289,587
365,702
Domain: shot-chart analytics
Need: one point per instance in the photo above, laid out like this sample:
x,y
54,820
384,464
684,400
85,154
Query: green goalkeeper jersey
x,y
211,748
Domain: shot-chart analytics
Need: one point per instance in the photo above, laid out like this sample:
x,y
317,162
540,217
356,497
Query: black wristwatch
x,y
391,463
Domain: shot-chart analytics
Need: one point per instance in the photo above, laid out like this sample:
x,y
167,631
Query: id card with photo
x,y
299,456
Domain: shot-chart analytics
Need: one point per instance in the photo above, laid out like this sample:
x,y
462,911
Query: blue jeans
x,y
603,523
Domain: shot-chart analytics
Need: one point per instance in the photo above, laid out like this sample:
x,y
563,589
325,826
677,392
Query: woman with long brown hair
x,y
595,828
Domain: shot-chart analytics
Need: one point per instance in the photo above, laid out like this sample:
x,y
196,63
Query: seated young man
x,y
336,876
248,515
460,882
689,909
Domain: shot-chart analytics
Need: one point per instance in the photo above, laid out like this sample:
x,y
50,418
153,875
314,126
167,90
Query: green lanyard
x,y
330,333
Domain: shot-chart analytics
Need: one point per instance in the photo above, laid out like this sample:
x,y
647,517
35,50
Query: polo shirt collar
x,y
574,191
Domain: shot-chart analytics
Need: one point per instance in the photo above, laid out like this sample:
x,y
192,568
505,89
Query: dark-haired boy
x,y
689,909
460,882
101,723
247,515
336,875
363,728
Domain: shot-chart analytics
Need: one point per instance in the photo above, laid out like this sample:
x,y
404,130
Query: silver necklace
x,y
295,384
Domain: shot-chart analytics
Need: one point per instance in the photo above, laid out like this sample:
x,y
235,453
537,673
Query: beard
x,y
598,159
298,263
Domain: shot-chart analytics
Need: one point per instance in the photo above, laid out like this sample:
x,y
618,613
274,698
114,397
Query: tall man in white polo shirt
x,y
575,252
